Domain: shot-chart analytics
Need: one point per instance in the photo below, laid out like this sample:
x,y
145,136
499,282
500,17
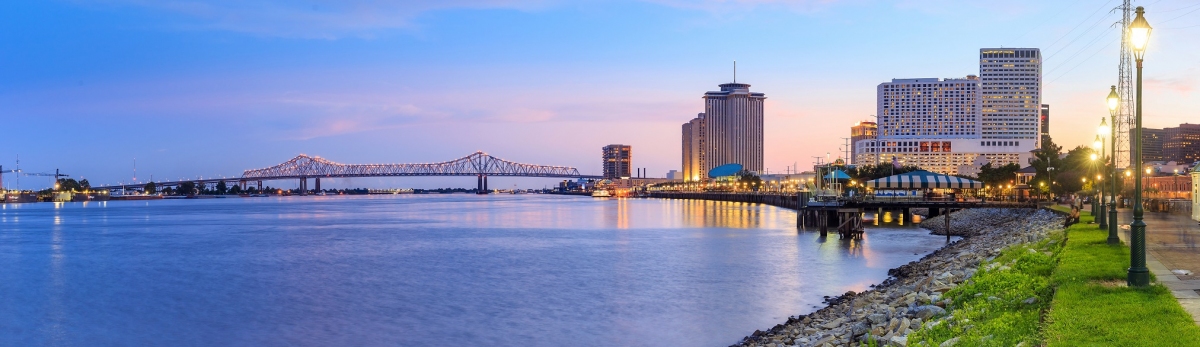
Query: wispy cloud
x,y
325,19
1183,85
738,5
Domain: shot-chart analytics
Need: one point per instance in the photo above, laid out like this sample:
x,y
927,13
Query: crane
x,y
56,175
3,171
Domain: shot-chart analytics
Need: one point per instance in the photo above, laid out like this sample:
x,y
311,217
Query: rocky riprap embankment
x,y
912,296
971,222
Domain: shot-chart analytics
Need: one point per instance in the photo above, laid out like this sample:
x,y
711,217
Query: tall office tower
x,y
861,131
617,159
733,127
693,149
1012,95
1182,144
1152,144
1045,125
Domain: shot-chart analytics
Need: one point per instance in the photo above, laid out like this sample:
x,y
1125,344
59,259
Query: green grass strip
x,y
1093,307
1002,304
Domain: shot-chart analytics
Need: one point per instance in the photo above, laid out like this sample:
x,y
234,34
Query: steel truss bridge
x,y
302,167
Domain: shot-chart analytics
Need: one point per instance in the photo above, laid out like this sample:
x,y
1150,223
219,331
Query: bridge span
x,y
302,167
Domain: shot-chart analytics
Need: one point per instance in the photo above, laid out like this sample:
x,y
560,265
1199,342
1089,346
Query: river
x,y
414,270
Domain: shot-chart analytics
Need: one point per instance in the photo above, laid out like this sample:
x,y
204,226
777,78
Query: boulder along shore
x,y
912,296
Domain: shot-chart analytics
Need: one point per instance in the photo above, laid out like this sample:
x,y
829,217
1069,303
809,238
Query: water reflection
x,y
419,270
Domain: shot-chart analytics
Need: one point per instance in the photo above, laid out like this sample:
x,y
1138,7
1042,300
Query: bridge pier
x,y
318,181
303,185
482,187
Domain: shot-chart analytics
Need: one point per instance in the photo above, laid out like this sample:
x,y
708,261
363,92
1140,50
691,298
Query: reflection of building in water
x,y
721,214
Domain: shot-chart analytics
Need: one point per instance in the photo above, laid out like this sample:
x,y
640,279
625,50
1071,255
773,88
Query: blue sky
x,y
210,88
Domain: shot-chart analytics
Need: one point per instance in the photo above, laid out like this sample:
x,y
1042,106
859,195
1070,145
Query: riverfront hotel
x,y
729,131
941,125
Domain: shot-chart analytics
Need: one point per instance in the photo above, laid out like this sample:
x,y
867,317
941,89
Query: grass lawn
x,y
1093,307
1078,281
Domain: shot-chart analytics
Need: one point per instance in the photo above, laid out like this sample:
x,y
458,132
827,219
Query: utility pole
x,y
846,150
1125,119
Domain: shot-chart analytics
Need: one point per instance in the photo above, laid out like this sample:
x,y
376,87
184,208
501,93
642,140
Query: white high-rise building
x,y
1012,95
943,124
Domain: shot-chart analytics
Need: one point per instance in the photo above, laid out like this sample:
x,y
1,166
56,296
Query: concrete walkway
x,y
1171,244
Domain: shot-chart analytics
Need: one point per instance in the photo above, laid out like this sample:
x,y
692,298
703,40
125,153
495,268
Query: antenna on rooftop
x,y
735,71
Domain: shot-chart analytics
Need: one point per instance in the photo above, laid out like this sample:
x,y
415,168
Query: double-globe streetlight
x,y
1114,101
1138,275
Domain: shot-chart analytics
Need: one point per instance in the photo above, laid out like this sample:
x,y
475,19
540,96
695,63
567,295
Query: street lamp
x,y
1138,275
1114,101
1098,206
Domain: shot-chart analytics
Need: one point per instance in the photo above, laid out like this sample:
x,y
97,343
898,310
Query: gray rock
x,y
901,341
877,318
859,329
834,324
1030,300
949,343
924,312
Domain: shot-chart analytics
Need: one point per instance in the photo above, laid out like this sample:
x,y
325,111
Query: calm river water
x,y
405,270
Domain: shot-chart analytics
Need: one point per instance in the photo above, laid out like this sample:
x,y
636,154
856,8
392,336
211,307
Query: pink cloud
x,y
1182,85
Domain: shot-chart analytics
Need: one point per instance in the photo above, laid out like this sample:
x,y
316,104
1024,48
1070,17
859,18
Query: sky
x,y
210,88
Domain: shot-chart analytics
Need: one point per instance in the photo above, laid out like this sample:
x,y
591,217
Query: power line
x,y
1042,23
1081,62
1093,26
1105,5
1177,9
1084,48
1180,16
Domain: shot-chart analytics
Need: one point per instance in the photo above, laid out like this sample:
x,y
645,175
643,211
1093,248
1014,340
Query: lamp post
x,y
1138,275
1114,100
1101,132
1100,217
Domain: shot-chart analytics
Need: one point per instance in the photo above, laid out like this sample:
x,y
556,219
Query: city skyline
x,y
216,88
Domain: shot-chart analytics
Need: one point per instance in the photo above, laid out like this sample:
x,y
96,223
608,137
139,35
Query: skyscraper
x,y
1152,144
733,127
693,149
729,131
1045,124
1011,91
617,159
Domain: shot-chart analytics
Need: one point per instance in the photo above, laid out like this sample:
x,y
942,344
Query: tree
x,y
997,176
85,185
221,187
236,189
1046,161
749,179
186,188
150,188
68,184
864,173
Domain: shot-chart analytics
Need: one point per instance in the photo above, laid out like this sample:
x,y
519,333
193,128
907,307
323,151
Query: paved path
x,y
1172,242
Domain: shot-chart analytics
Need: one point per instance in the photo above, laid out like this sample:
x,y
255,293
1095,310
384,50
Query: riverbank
x,y
917,294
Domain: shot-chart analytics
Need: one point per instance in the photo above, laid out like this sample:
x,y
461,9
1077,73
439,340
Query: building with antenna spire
x,y
729,131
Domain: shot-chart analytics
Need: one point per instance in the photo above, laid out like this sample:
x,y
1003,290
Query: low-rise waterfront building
x,y
1196,192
